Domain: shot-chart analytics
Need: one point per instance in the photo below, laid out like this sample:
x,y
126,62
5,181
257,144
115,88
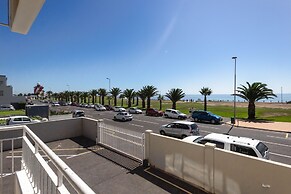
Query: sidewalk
x,y
264,125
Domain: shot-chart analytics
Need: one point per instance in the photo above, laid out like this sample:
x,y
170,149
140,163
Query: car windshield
x,y
194,126
178,112
262,148
198,139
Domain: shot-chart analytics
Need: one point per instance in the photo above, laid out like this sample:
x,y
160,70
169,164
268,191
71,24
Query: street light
x,y
234,92
109,83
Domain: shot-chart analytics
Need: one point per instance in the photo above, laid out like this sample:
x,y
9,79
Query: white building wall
x,y
6,93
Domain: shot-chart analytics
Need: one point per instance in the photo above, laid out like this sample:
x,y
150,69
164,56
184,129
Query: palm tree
x,y
175,95
128,93
160,98
109,99
122,97
142,95
72,94
253,93
67,96
205,92
102,92
78,95
150,91
93,93
115,92
49,93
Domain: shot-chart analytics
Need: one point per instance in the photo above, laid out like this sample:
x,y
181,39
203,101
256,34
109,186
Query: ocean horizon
x,y
229,98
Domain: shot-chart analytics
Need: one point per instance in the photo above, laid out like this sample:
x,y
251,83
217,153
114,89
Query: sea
x,y
229,98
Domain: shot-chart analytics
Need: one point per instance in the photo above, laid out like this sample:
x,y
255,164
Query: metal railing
x,y
39,172
128,142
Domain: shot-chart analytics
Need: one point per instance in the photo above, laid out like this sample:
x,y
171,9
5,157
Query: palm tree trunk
x,y
205,103
115,100
137,101
160,104
143,103
129,102
251,110
174,105
122,102
148,102
102,100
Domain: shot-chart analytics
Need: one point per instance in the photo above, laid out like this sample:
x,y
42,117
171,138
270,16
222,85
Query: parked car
x,y
180,129
118,109
7,107
243,145
13,120
206,116
123,116
91,106
99,107
108,107
134,110
78,113
154,112
55,104
175,114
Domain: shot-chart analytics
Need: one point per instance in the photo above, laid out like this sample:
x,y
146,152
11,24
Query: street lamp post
x,y
109,83
234,91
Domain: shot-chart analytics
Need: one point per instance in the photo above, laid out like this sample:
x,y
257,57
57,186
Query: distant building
x,y
6,93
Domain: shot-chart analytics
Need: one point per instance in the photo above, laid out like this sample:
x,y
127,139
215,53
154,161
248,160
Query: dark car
x,y
206,116
154,112
108,107
78,113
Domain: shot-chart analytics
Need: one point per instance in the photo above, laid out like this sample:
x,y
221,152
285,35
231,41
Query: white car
x,y
99,107
180,129
175,114
243,145
118,109
123,116
7,107
134,110
13,120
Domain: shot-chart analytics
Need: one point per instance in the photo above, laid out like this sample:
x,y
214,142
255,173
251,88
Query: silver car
x,y
123,116
180,129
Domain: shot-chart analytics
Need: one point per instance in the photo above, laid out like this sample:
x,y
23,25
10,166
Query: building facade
x,y
6,93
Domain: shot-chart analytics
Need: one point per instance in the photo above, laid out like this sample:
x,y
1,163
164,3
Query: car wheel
x,y
183,136
123,119
156,114
114,118
212,121
179,117
195,119
166,115
162,132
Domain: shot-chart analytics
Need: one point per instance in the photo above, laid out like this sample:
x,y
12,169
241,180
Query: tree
x,y
128,93
142,95
78,95
253,93
175,95
115,92
93,93
122,97
160,98
150,91
102,92
49,94
205,92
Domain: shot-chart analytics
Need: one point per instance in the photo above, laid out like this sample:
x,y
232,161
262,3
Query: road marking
x,y
285,138
278,144
281,155
136,125
147,121
168,182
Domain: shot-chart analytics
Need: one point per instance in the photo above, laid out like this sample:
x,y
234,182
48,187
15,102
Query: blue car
x,y
206,116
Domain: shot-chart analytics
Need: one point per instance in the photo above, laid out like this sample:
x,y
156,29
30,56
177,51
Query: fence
x,y
125,141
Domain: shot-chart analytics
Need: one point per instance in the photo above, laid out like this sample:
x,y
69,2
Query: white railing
x,y
39,172
125,141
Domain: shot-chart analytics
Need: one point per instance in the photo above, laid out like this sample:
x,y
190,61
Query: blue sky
x,y
185,44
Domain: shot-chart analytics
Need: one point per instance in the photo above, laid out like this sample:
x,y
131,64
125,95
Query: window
x,y
243,150
17,119
218,143
1,92
26,119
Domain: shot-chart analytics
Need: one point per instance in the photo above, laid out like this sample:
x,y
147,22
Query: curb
x,y
263,129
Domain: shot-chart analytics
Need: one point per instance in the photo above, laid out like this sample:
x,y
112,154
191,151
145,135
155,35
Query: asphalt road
x,y
279,143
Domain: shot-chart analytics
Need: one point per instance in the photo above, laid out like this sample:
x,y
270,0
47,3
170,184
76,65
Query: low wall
x,y
52,130
215,170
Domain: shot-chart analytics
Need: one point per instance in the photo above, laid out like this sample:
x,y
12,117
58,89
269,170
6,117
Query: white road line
x,y
281,155
278,144
147,121
136,125
278,137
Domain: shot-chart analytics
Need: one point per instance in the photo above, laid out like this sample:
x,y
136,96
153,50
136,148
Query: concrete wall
x,y
52,130
215,170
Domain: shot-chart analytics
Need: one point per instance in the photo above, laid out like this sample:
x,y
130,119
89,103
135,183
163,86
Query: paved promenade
x,y
265,125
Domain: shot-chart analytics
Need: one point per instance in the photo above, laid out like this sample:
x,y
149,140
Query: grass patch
x,y
7,113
